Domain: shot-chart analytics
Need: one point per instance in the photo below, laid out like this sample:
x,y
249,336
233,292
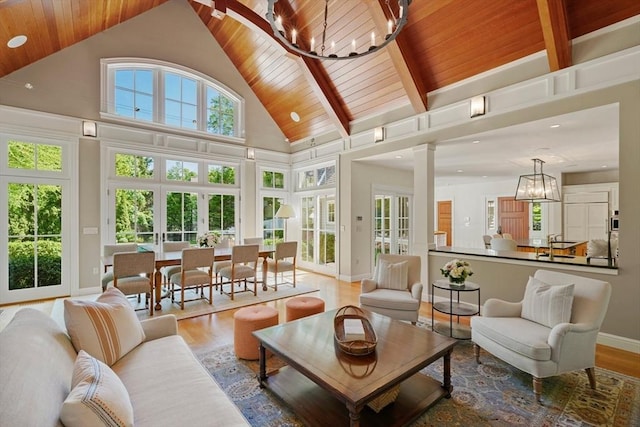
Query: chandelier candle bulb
x,y
373,38
353,45
313,44
294,35
279,24
389,27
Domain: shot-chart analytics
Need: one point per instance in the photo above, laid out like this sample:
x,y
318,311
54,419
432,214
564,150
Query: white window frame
x,y
67,178
108,66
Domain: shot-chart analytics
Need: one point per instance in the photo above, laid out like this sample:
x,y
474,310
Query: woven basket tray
x,y
354,347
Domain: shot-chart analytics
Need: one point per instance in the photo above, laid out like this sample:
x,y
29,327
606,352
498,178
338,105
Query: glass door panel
x,y
307,229
181,217
222,215
327,230
135,216
272,227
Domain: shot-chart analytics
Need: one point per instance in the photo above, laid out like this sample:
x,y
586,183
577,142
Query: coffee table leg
x,y
447,374
354,416
263,365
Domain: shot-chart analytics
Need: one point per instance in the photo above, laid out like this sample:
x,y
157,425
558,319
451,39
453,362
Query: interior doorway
x,y
444,218
513,217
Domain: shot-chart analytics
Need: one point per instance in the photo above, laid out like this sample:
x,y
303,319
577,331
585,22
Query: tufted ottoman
x,y
245,321
303,306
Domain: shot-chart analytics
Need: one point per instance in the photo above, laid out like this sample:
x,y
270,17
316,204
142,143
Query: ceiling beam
x,y
402,57
555,29
314,73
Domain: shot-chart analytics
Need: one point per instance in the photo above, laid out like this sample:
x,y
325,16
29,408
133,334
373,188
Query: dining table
x,y
166,259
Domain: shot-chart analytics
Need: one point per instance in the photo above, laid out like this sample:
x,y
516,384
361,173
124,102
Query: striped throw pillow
x,y
547,304
107,328
97,397
393,275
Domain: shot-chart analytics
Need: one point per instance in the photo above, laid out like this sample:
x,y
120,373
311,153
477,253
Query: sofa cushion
x,y
390,299
547,304
97,398
36,365
107,328
392,275
169,387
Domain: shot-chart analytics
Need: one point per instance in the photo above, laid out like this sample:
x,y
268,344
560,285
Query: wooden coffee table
x,y
320,380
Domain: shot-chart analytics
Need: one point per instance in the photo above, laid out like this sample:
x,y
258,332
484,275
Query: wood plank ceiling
x,y
444,42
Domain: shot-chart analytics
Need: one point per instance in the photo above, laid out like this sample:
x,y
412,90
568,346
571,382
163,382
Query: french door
x,y
318,232
36,238
391,227
152,214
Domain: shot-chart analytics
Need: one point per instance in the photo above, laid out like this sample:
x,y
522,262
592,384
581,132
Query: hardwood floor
x,y
210,331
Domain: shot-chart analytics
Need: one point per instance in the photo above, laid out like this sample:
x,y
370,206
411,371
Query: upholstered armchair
x,y
395,289
551,331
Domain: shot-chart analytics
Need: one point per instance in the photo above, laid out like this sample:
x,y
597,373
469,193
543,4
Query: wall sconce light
x,y
378,134
89,129
478,106
251,153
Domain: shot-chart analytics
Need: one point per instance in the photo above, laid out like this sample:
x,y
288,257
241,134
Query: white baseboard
x,y
88,291
620,343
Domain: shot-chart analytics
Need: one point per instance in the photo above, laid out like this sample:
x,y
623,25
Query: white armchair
x,y
539,347
395,290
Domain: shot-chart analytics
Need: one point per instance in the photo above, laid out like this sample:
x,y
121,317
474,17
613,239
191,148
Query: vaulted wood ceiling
x,y
444,42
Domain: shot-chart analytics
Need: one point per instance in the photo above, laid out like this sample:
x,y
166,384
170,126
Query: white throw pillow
x,y
107,328
97,397
547,304
392,275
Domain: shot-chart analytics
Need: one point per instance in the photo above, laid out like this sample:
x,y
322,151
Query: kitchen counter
x,y
542,244
560,259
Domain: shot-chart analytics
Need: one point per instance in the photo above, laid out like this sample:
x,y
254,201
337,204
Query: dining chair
x,y
133,274
284,259
504,244
196,271
244,259
109,250
254,241
178,246
487,241
219,265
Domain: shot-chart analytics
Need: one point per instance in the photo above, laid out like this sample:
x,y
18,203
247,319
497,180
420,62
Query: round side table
x,y
453,307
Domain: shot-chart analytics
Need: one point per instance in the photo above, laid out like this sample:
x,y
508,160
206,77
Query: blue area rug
x,y
490,394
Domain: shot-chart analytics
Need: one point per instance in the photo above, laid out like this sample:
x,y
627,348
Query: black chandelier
x,y
320,50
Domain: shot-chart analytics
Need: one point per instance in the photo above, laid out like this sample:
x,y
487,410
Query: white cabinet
x,y
585,221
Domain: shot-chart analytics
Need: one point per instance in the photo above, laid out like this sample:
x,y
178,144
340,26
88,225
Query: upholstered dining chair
x,y
196,271
109,250
244,259
253,241
504,244
395,289
284,259
178,246
551,331
219,265
487,241
133,274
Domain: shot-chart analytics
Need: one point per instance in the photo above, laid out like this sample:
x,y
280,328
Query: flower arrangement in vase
x,y
209,239
457,271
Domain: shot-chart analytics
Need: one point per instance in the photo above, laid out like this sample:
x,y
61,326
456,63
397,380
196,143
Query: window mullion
x,y
158,96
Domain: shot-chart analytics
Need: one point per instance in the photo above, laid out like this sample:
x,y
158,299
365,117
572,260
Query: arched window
x,y
169,95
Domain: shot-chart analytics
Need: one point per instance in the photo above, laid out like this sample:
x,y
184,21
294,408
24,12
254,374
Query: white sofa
x,y
167,385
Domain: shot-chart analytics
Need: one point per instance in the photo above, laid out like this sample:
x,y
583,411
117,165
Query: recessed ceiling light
x,y
476,141
484,176
28,85
398,157
554,126
17,41
295,116
603,166
459,171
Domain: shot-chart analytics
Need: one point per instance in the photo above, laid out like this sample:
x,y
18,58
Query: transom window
x,y
35,157
137,89
324,176
272,179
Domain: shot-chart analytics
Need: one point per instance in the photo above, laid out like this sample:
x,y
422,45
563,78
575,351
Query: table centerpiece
x,y
457,271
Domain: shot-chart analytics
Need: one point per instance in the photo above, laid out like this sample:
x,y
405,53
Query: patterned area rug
x,y
490,394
